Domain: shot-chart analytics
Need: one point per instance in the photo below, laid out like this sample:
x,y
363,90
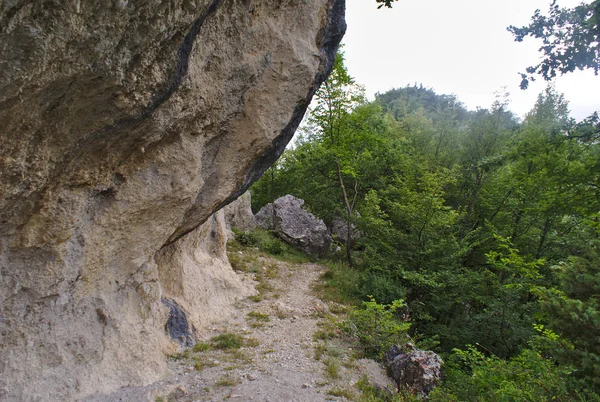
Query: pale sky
x,y
456,47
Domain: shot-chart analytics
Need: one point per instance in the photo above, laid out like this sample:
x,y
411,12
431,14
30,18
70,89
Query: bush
x,y
377,327
261,239
471,376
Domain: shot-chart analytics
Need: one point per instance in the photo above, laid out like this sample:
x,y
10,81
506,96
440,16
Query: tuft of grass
x,y
322,335
320,350
180,356
280,313
332,368
227,381
236,356
200,365
271,271
337,308
258,316
263,284
323,349
236,261
351,363
370,393
256,298
202,347
341,392
227,341
339,284
252,342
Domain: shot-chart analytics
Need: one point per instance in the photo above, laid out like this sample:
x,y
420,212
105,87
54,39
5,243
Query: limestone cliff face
x,y
195,272
123,126
238,215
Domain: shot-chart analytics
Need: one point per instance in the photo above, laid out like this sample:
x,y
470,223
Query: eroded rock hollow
x,y
124,125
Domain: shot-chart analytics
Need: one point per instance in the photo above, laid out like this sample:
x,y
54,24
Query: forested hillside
x,y
485,225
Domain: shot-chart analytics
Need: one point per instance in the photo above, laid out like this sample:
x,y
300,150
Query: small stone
x,y
251,377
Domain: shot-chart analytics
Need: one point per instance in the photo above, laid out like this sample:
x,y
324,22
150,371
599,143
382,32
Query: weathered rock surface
x,y
339,230
124,125
239,214
195,271
412,369
294,225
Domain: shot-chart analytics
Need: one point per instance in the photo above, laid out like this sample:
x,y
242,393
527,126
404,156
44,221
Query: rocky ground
x,y
282,345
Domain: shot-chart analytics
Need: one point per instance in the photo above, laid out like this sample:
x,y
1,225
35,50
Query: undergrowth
x,y
265,241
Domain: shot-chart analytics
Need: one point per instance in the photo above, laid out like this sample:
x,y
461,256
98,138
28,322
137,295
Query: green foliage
x,y
377,326
227,341
202,347
258,316
573,311
261,239
265,241
529,377
341,392
485,225
570,40
340,284
385,3
227,381
332,368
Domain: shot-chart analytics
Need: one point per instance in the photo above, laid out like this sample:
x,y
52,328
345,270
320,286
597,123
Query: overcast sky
x,y
456,47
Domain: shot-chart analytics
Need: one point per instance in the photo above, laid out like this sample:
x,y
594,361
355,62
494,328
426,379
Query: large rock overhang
x,y
124,126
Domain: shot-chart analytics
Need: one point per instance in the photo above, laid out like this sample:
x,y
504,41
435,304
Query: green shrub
x,y
261,239
274,247
376,326
529,377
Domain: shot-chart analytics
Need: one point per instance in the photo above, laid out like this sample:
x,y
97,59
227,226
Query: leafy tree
x,y
334,101
571,40
574,312
486,226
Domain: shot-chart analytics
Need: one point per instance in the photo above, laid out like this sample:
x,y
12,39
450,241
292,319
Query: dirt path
x,y
290,352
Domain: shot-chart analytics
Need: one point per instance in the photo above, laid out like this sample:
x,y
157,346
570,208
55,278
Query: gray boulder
x,y
414,370
339,229
294,225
